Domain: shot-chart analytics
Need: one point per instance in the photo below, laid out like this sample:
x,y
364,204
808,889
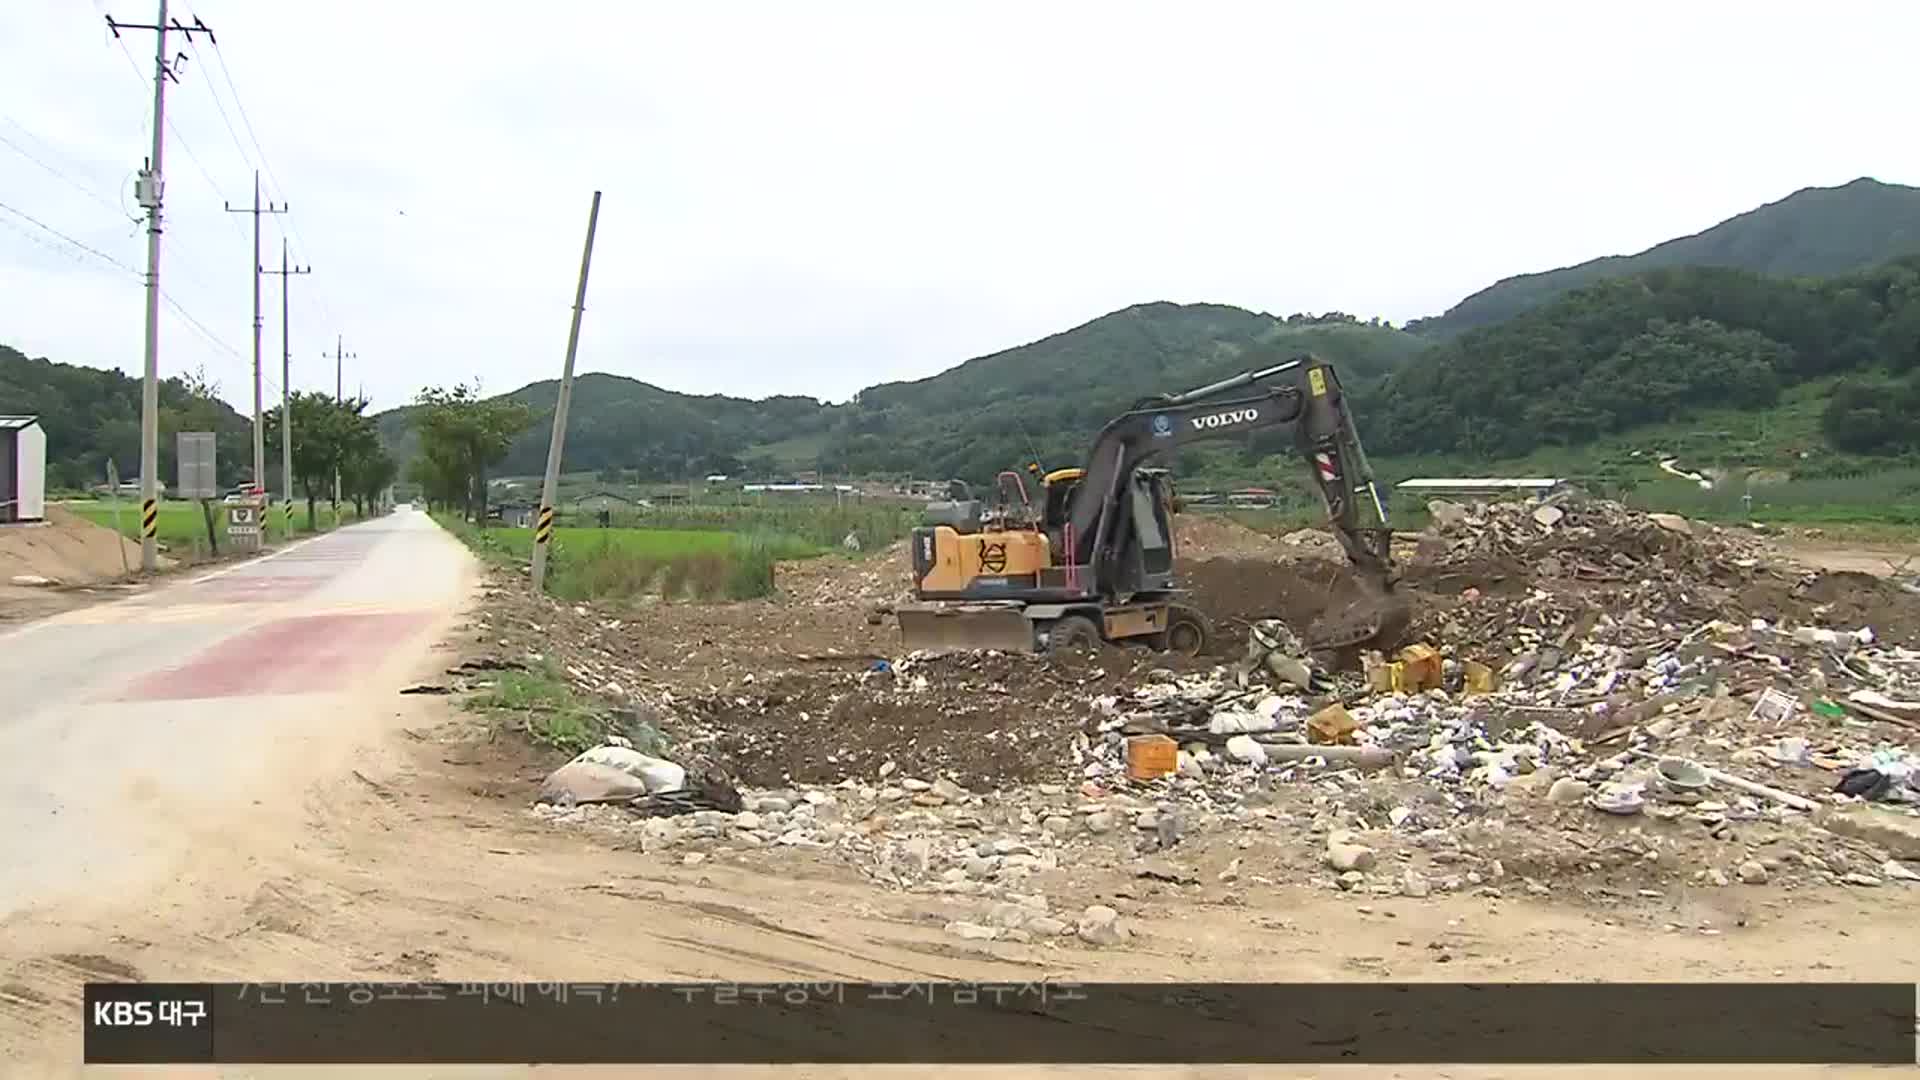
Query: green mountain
x,y
989,413
1815,231
91,415
1663,345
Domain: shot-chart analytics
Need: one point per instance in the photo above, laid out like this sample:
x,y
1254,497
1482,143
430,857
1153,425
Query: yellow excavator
x,y
1095,560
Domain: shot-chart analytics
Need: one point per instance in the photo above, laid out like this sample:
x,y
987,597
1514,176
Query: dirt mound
x,y
66,548
1235,593
984,720
1210,536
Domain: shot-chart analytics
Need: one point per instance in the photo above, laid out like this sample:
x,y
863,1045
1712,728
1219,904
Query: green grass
x,y
627,564
182,530
819,522
546,708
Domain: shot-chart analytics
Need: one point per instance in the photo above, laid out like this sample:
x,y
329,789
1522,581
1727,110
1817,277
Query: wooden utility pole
x,y
543,522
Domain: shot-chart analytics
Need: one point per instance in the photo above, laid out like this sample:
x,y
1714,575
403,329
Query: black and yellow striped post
x,y
543,526
149,519
287,516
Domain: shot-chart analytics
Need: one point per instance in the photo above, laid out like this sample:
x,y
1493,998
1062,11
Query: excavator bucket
x,y
964,628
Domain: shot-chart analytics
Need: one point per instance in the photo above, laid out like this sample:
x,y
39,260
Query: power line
x,y
88,248
70,181
215,95
179,309
239,103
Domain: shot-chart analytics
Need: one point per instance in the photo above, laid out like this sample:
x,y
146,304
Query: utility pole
x,y
286,387
259,428
338,399
543,524
150,190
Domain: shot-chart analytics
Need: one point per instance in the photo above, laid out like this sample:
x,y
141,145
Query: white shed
x,y
23,469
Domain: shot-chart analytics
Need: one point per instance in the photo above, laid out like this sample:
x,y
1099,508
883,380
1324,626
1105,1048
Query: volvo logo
x,y
1237,416
1162,426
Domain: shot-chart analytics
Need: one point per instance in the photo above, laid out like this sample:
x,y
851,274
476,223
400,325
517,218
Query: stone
x,y
1230,874
1447,516
949,790
1865,881
979,868
1343,856
1752,873
1898,871
1672,523
1101,925
928,798
1413,883
1010,916
892,794
773,804
919,852
693,858
1101,821
1898,833
1567,791
746,819
889,769
1352,879
1058,825
1047,926
1717,876
912,784
973,931
1009,846
1147,820
1548,516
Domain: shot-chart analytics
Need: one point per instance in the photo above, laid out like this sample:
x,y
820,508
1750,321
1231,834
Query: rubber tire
x,y
1186,634
1073,633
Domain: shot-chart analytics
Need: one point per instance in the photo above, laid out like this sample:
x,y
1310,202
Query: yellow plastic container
x,y
1150,757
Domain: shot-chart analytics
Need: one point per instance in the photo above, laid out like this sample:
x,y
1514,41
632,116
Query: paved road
x,y
132,728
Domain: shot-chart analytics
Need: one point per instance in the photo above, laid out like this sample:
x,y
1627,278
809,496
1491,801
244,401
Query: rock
x,y
892,794
1100,925
1352,879
1414,884
919,851
1898,833
889,769
578,782
1867,881
928,798
1549,515
1717,876
746,819
1047,926
1101,821
1447,516
1011,916
1231,873
1009,846
973,931
979,868
693,858
912,784
1672,523
773,804
1058,825
659,774
1752,873
1898,871
1147,820
949,790
1344,856
1567,791
1243,749
33,580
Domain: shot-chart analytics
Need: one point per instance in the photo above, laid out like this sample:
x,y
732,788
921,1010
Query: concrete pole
x,y
286,396
259,428
543,522
150,385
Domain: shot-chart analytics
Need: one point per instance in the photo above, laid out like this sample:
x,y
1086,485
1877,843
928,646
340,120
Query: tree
x,y
368,471
327,435
461,435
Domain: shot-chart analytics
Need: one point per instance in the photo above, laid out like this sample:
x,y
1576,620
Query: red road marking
x,y
301,655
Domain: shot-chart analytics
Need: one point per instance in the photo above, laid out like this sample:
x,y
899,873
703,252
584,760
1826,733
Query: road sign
x,y
244,519
196,465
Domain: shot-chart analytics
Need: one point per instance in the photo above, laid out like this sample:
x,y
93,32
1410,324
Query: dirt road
x,y
219,781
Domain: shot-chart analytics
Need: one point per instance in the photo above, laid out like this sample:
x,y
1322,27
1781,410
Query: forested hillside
x,y
1814,231
91,415
1652,347
972,420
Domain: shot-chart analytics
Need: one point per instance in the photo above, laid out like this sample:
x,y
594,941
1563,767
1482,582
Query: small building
x,y
514,515
23,469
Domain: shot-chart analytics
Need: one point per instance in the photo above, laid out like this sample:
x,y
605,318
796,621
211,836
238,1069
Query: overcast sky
x,y
811,198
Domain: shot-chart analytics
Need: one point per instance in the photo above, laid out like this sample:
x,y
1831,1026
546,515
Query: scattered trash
x,y
1150,757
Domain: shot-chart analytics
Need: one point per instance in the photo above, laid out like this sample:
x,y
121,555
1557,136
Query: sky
x,y
810,199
